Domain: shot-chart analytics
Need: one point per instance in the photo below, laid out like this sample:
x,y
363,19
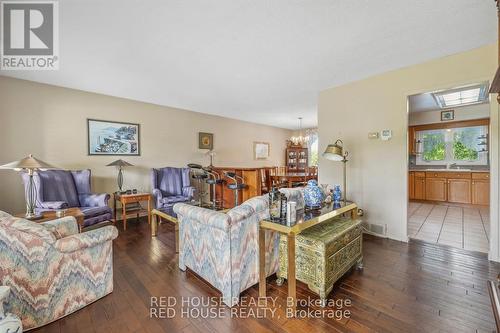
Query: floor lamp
x,y
336,152
30,165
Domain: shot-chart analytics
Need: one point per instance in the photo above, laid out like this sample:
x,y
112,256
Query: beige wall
x,y
377,171
50,122
463,113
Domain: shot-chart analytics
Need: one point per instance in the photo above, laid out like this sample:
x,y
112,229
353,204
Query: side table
x,y
51,215
126,199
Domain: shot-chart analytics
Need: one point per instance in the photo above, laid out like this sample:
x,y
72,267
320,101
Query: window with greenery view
x,y
455,145
313,150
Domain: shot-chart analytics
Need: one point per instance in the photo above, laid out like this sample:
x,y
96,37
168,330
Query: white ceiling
x,y
261,61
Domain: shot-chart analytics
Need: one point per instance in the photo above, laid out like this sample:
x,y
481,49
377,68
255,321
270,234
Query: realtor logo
x,y
29,35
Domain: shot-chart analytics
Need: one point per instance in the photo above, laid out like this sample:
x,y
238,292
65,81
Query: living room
x,y
245,173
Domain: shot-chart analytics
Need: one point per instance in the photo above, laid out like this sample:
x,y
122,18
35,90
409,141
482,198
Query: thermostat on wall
x,y
386,135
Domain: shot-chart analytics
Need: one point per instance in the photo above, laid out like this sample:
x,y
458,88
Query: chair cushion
x,y
59,185
174,199
89,212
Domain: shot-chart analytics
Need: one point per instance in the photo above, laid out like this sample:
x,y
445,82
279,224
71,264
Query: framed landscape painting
x,y
113,138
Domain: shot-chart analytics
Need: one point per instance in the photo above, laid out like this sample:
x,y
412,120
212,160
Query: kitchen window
x,y
461,146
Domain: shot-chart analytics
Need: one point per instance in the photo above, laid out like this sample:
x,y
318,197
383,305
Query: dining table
x,y
292,177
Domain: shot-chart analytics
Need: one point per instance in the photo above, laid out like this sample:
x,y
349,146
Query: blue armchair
x,y
170,186
58,189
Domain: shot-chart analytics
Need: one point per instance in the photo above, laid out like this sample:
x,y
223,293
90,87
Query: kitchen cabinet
x,y
459,191
435,189
411,140
419,186
450,186
480,189
411,185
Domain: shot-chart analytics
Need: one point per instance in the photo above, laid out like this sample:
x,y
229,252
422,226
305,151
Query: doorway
x,y
449,167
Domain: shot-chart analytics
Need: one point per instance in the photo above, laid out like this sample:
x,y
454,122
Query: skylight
x,y
462,96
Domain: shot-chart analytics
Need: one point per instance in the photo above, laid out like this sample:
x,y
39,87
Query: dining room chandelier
x,y
301,138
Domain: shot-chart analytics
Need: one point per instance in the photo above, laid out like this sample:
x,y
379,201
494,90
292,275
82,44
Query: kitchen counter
x,y
448,170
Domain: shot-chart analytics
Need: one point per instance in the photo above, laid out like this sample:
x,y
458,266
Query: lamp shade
x,y
27,163
120,163
335,152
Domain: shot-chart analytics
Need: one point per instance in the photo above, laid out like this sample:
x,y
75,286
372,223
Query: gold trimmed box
x,y
324,253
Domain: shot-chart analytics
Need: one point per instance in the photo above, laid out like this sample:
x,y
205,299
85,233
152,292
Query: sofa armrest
x,y
63,227
53,204
188,191
93,199
202,215
86,239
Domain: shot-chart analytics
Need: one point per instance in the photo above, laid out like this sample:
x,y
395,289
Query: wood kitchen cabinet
x,y
435,189
447,186
480,189
459,191
419,186
411,185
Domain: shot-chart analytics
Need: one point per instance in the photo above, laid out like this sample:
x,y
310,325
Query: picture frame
x,y
205,140
116,138
261,150
447,115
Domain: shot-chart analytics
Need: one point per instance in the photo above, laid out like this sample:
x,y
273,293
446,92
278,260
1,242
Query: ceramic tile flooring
x,y
463,227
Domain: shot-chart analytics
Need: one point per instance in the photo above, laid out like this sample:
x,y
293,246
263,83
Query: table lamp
x,y
120,164
335,152
30,165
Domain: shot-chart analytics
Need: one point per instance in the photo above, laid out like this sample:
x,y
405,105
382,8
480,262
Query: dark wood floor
x,y
413,287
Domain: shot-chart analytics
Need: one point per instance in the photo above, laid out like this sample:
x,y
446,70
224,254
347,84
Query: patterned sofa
x,y
223,248
53,270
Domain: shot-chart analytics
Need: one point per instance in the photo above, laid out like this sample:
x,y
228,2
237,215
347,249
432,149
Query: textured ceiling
x,y
261,61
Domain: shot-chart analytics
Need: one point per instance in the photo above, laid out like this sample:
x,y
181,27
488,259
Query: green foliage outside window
x,y
437,152
462,153
434,147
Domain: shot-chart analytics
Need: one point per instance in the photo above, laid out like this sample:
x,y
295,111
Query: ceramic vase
x,y
313,194
337,194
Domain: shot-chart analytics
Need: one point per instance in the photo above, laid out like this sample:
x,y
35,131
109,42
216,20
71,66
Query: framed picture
x,y
261,150
113,138
205,140
447,115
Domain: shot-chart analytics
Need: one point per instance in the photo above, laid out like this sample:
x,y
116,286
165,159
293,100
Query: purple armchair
x,y
58,189
170,186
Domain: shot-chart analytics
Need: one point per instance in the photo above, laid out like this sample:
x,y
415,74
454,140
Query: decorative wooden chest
x,y
324,253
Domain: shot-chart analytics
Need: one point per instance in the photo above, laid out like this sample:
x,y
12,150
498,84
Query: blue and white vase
x,y
313,195
337,194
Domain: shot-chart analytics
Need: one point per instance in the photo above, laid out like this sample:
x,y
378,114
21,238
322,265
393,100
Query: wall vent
x,y
377,229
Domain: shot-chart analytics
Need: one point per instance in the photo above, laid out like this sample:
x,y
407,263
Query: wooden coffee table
x,y
51,215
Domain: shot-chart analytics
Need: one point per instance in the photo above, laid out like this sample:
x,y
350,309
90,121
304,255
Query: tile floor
x,y
466,228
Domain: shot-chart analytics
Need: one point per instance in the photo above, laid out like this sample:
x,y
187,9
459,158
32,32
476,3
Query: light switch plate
x,y
386,135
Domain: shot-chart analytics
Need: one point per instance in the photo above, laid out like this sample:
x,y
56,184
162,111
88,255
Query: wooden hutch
x,y
296,159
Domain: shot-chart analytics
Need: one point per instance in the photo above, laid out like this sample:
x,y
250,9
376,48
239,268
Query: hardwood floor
x,y
413,287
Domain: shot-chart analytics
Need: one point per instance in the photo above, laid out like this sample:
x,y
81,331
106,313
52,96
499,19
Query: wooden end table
x,y
125,199
304,221
51,215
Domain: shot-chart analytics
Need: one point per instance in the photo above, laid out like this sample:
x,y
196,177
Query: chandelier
x,y
300,139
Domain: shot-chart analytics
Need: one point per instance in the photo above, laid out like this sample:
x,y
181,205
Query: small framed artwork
x,y
105,137
205,140
447,115
261,150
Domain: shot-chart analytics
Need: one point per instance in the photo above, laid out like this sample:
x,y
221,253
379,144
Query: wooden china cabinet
x,y
296,159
